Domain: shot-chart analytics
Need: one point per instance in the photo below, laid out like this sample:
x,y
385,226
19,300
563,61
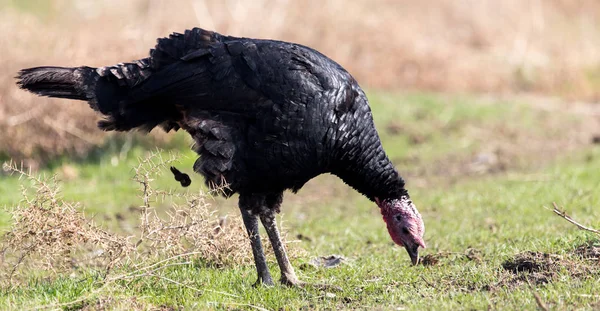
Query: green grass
x,y
499,215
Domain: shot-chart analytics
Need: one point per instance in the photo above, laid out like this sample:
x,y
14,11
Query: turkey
x,y
266,116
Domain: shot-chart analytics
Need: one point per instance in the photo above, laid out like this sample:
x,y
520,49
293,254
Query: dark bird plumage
x,y
266,116
182,178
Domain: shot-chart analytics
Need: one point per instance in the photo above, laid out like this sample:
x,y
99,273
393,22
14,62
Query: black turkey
x,y
266,116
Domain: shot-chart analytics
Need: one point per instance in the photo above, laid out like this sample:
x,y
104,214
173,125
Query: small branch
x,y
176,283
147,268
70,303
155,270
191,287
244,305
538,299
568,218
428,283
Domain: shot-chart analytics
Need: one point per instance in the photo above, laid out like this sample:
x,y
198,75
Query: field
x,y
491,241
486,108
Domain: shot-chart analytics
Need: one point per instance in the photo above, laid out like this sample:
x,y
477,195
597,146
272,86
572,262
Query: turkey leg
x,y
288,276
251,223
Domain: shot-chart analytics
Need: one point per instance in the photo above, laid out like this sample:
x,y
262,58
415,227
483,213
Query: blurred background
x,y
545,48
489,108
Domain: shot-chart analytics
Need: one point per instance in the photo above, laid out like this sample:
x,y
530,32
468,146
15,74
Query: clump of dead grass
x,y
51,234
54,237
188,226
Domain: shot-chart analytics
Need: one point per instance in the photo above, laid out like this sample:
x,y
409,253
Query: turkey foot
x,y
288,276
268,282
291,281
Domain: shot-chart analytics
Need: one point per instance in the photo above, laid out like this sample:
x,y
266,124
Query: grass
x,y
495,215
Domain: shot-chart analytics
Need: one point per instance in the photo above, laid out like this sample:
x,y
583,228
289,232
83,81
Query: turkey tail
x,y
80,83
107,90
58,82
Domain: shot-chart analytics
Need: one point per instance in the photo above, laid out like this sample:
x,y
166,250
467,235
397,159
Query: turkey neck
x,y
362,163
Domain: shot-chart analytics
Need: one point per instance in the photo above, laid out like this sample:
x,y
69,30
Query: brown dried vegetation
x,y
50,235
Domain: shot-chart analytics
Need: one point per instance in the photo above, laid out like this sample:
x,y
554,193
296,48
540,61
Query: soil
x,y
526,268
470,254
538,268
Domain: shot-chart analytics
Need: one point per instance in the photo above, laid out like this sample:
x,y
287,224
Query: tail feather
x,y
124,93
58,82
107,90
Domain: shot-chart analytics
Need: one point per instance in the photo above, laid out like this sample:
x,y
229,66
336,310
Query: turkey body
x,y
268,115
265,116
280,132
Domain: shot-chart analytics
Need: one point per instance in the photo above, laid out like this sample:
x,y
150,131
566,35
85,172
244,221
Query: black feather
x,y
182,178
265,115
55,81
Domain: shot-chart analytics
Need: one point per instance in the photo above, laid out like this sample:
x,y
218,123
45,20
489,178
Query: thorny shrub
x,y
52,235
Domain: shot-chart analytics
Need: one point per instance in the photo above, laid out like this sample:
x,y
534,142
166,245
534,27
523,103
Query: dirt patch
x,y
429,260
590,251
527,268
471,254
532,267
533,262
538,268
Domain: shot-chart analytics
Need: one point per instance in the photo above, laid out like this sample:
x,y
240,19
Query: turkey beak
x,y
413,252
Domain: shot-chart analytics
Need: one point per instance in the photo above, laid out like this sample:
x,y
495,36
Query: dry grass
x,y
460,46
53,235
50,235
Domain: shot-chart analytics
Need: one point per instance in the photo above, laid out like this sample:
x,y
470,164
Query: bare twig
x,y
157,266
568,218
538,299
428,283
72,302
146,268
588,296
244,305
